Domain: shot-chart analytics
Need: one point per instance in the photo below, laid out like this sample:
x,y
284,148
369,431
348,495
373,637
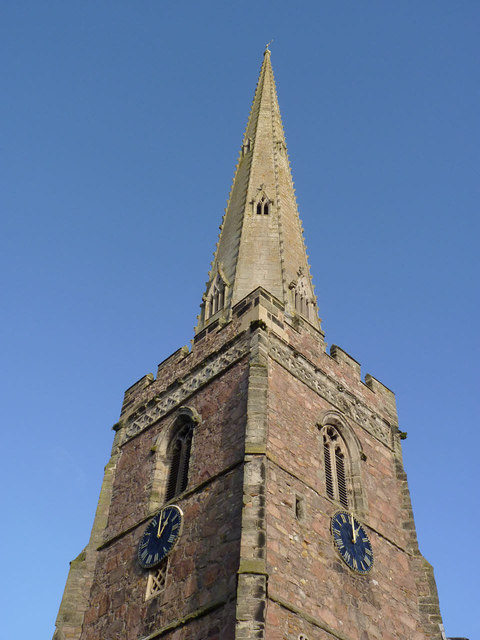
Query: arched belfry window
x,y
178,454
335,459
342,456
172,450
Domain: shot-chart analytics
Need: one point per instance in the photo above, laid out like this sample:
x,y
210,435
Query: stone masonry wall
x,y
308,581
250,562
201,580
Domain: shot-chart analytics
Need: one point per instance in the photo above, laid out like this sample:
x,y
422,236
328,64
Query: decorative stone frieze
x,y
180,391
329,389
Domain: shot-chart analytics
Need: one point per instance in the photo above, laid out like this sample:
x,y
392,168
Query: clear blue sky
x,y
120,128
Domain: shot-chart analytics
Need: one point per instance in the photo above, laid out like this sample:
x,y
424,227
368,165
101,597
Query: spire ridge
x,y
261,236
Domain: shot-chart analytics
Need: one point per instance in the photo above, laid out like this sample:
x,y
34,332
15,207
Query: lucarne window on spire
x,y
300,299
263,206
215,297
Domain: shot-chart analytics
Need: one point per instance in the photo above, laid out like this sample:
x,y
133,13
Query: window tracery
x,y
342,458
261,204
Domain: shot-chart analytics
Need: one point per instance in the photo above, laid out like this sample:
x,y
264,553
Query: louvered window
x,y
179,454
335,467
328,470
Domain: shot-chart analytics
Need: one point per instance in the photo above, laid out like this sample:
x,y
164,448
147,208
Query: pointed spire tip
x,y
267,50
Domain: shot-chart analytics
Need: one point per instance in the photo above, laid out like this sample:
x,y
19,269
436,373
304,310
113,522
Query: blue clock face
x,y
160,536
352,542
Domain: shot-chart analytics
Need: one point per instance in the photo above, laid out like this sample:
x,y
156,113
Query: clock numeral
x,y
339,542
175,526
171,538
144,554
369,551
362,567
364,539
149,559
354,563
342,515
337,531
156,558
367,561
347,556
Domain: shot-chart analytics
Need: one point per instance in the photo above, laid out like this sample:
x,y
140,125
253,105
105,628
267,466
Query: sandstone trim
x,y
199,613
306,616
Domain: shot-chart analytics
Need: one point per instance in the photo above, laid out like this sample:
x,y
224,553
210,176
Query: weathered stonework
x,y
162,404
255,559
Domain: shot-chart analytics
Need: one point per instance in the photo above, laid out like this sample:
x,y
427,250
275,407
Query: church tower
x,y
255,488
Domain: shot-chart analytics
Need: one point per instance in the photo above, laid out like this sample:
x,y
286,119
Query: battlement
x,y
257,309
343,358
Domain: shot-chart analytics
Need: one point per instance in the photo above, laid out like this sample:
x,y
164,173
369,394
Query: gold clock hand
x,y
159,534
159,524
354,539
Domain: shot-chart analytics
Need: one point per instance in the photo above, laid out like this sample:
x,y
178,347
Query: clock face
x,y
352,542
160,536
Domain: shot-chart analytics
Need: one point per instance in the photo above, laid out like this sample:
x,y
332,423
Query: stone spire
x,y
261,242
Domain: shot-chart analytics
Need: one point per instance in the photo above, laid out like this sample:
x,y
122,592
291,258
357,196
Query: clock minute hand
x,y
354,539
159,534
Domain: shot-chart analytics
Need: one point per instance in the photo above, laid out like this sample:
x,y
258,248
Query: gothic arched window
x,y
179,457
215,297
261,202
172,450
335,458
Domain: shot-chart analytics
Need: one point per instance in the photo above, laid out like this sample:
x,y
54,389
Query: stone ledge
x,y
198,613
309,618
254,565
254,448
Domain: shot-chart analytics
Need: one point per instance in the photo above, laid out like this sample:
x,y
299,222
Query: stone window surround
x,y
161,450
354,455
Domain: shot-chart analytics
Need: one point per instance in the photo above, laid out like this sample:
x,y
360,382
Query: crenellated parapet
x,y
292,342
